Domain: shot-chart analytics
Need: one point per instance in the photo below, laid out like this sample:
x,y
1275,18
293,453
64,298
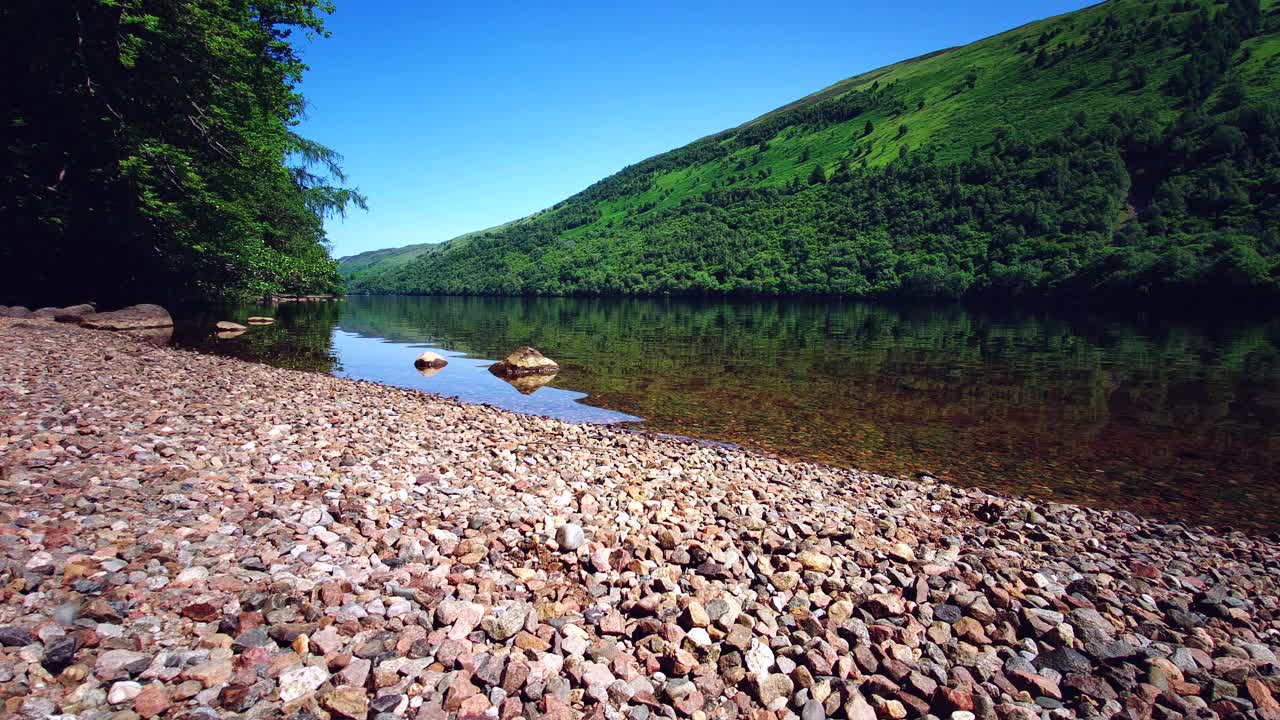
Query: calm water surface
x,y
1160,416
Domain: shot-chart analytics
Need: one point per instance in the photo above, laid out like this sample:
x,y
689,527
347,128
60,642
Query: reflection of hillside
x,y
940,353
1076,407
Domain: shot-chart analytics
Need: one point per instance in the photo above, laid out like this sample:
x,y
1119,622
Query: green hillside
x,y
353,269
388,257
1130,148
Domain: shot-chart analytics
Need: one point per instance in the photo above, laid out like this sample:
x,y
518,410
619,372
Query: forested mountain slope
x,y
381,259
353,268
1128,149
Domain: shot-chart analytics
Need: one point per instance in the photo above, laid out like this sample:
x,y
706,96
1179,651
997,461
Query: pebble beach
x,y
185,535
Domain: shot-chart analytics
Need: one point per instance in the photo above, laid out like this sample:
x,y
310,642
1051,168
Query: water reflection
x,y
300,338
1139,412
315,336
527,384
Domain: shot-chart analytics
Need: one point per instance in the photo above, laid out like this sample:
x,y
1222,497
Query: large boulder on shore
x,y
523,361
155,335
134,317
17,311
74,313
71,313
429,359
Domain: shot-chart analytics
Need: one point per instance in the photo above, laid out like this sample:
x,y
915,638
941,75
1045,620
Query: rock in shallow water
x,y
524,361
430,360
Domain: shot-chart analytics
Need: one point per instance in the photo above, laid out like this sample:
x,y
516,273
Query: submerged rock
x,y
134,317
523,361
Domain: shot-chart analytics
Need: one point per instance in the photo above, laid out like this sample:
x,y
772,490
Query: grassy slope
x,y
955,119
388,257
1261,73
1009,91
353,266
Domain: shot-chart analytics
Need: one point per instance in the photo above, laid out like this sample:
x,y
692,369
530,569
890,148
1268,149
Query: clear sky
x,y
455,117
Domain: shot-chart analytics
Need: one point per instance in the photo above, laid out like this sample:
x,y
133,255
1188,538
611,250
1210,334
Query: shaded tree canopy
x,y
151,153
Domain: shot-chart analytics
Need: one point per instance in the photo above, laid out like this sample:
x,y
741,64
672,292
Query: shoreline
x,y
191,531
1159,419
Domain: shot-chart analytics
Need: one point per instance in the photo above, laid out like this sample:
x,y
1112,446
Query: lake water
x,y
1156,415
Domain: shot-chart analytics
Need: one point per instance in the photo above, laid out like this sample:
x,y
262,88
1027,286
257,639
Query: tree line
x,y
151,152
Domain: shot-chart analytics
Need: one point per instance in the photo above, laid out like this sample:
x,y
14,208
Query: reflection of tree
x,y
1077,407
301,338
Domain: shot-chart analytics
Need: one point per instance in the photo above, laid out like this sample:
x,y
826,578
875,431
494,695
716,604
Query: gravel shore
x,y
184,535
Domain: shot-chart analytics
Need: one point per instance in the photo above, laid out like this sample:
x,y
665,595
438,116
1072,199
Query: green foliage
x,y
1023,175
152,152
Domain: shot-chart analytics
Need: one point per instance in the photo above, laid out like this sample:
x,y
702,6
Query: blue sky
x,y
458,117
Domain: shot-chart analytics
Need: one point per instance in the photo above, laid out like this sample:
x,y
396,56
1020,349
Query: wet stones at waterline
x,y
279,299
260,320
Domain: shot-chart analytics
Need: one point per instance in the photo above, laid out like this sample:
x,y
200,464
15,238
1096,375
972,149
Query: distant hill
x,y
1129,148
389,257
354,269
